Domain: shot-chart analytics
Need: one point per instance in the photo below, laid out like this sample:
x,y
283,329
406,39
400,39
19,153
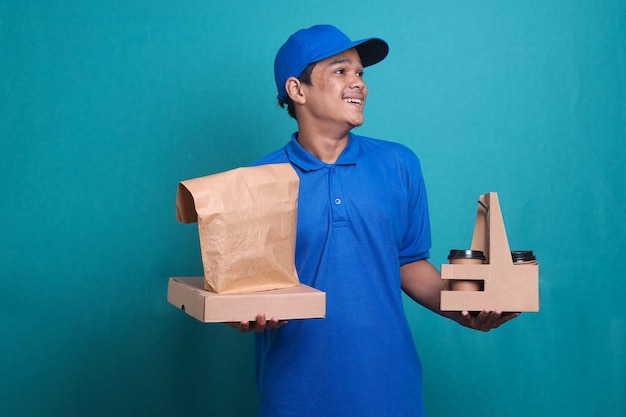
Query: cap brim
x,y
371,51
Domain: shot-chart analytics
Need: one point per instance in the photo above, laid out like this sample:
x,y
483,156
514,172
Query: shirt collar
x,y
305,160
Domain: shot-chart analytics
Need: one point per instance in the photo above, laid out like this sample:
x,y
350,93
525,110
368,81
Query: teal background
x,y
106,105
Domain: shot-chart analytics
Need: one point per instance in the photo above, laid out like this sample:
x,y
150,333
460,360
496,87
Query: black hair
x,y
305,78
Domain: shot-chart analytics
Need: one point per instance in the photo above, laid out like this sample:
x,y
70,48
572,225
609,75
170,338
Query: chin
x,y
358,123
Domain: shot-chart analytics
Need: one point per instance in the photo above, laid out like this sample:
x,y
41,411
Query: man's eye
x,y
360,73
340,71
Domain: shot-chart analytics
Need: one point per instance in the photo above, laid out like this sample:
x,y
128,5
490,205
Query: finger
x,y
470,319
276,323
495,319
484,320
244,326
477,320
498,318
508,316
260,323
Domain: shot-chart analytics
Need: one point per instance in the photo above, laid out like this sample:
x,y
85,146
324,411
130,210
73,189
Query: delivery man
x,y
363,237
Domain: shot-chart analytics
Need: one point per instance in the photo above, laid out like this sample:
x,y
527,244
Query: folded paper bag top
x,y
247,224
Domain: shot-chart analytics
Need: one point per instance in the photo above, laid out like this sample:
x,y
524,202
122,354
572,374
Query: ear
x,y
295,91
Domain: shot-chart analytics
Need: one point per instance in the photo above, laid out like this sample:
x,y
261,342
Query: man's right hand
x,y
259,325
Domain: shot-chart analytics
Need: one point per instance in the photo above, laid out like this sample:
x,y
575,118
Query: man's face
x,y
337,92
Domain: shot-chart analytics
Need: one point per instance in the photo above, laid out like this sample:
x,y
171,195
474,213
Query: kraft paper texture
x,y
247,224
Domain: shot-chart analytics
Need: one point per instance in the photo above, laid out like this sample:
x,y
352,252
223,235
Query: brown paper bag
x,y
247,224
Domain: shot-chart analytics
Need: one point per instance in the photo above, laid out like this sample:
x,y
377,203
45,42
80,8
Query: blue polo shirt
x,y
359,220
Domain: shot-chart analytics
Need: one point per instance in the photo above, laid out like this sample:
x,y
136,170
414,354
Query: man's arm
x,y
422,282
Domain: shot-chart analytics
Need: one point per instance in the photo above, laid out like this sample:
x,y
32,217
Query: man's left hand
x,y
486,320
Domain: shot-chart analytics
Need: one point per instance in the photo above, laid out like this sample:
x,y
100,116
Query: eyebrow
x,y
340,60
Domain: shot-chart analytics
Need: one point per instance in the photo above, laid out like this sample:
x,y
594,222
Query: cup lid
x,y
466,254
523,255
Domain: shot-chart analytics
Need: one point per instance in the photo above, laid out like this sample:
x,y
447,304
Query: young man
x,y
363,237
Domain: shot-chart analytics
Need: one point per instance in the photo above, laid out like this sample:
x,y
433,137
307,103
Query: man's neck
x,y
325,146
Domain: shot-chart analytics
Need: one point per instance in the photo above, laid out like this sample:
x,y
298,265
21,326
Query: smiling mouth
x,y
353,101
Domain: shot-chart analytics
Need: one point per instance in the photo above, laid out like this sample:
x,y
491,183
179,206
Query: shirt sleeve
x,y
416,242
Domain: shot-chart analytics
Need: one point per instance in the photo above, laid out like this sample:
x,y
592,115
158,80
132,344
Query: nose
x,y
357,82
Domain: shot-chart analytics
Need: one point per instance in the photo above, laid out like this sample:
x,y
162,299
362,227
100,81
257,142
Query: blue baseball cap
x,y
316,43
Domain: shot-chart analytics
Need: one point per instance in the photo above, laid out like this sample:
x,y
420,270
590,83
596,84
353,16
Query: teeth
x,y
352,100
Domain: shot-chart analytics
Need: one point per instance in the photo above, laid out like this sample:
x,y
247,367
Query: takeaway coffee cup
x,y
523,257
467,257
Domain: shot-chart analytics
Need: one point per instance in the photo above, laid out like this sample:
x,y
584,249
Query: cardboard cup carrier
x,y
498,282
